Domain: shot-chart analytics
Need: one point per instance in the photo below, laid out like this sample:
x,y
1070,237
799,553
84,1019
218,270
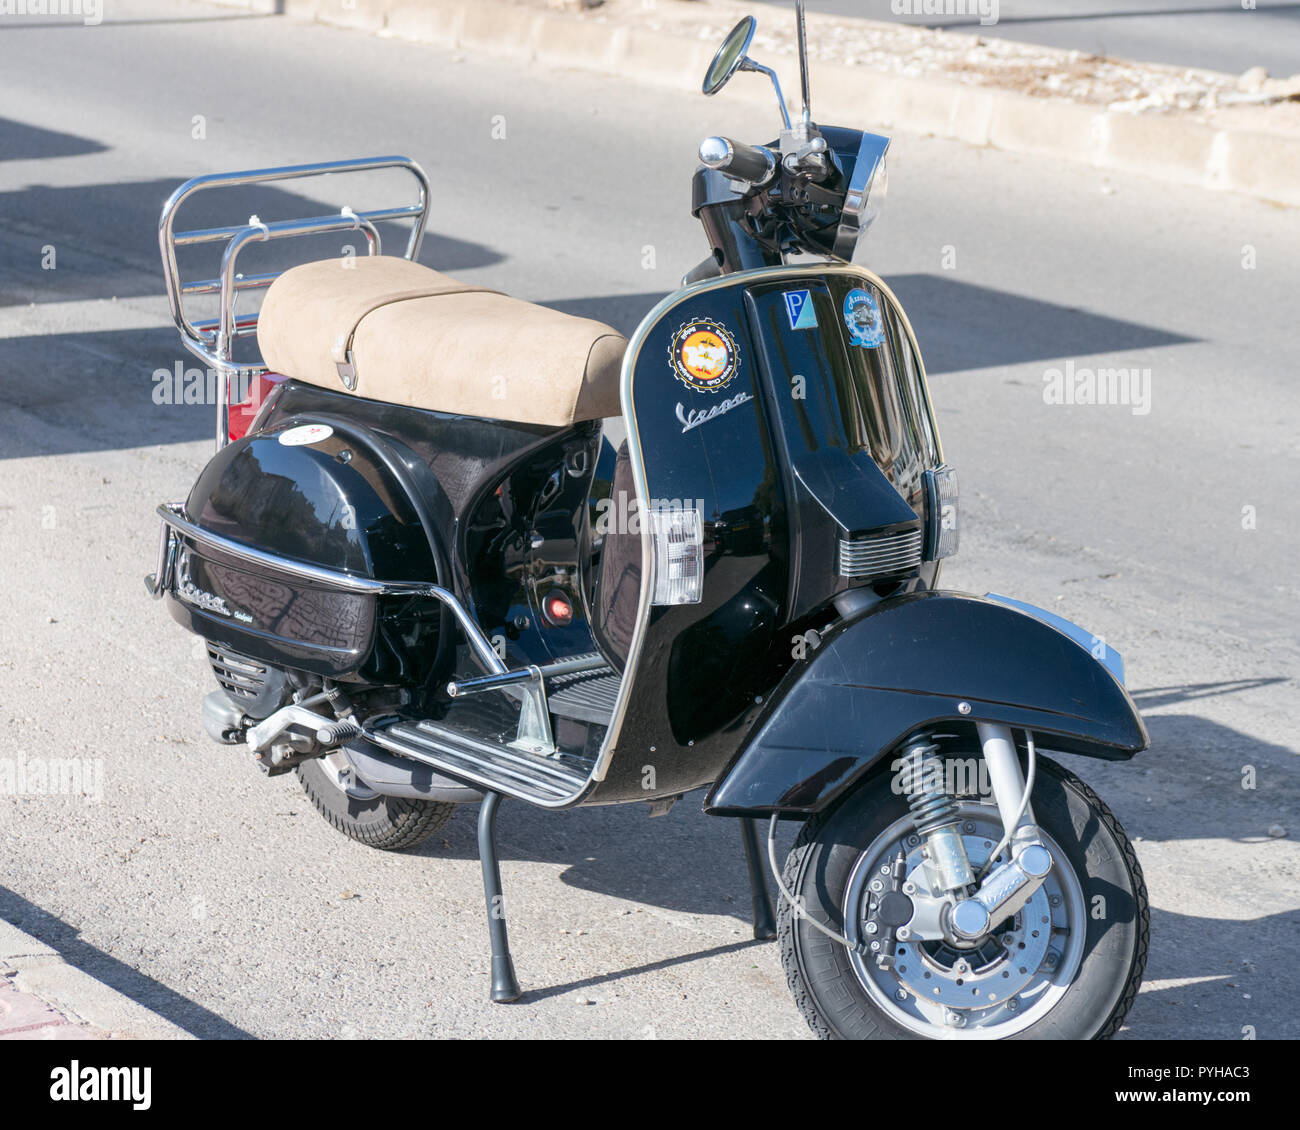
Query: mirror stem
x,y
748,64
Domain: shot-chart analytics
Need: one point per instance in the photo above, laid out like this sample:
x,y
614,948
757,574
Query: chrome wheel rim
x,y
990,991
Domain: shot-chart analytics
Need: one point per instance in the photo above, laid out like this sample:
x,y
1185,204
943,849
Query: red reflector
x,y
558,609
243,414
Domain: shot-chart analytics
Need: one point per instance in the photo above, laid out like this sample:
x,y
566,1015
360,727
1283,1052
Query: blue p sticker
x,y
799,305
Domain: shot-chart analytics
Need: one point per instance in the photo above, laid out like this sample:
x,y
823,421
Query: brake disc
x,y
983,975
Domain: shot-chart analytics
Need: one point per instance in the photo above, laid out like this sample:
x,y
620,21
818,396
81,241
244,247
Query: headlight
x,y
865,196
941,493
877,193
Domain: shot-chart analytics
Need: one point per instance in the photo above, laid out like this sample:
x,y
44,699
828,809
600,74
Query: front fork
x,y
961,906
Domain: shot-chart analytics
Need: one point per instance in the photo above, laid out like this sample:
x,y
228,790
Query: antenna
x,y
800,19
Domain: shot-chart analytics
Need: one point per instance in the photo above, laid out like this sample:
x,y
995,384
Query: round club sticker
x,y
305,433
862,316
704,355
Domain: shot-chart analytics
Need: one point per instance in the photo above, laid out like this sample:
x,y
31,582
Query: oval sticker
x,y
305,433
862,317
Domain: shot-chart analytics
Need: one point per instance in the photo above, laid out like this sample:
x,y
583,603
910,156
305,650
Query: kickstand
x,y
764,919
505,987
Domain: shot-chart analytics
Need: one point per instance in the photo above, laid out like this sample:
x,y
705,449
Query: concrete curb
x,y
46,998
1177,148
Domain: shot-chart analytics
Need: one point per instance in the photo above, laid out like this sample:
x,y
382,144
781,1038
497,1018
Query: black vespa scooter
x,y
456,547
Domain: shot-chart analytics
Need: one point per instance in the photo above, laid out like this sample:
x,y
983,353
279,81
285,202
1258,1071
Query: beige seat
x,y
392,330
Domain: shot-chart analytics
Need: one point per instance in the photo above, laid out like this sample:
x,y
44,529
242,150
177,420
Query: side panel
x,y
332,502
510,506
908,663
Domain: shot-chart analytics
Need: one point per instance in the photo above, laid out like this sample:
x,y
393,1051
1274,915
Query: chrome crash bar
x,y
528,682
212,340
176,526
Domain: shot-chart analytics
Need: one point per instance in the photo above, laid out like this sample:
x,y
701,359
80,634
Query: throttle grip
x,y
750,163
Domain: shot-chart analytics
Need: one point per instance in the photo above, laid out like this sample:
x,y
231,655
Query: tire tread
x,y
408,823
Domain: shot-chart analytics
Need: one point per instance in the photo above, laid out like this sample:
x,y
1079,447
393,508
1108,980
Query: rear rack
x,y
212,340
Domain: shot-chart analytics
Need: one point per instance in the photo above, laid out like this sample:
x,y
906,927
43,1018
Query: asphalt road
x,y
1221,35
225,903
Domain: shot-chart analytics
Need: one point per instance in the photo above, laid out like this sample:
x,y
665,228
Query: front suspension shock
x,y
936,814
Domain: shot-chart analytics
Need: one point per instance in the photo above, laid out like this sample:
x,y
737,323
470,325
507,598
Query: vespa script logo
x,y
694,417
189,592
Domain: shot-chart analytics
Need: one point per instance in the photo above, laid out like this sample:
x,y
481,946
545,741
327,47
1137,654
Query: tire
x,y
383,822
843,996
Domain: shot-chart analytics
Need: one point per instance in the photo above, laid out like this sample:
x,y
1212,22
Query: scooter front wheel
x,y
1066,966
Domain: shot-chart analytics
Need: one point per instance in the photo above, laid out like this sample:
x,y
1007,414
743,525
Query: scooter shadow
x,y
1219,979
1199,780
684,862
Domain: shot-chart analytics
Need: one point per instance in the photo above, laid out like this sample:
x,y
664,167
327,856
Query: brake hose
x,y
799,911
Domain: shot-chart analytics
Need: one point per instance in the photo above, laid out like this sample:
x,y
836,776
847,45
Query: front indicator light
x,y
941,491
678,540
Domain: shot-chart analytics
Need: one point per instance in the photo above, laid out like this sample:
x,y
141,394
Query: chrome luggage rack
x,y
212,340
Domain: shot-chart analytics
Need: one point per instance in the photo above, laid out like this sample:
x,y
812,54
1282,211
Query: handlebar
x,y
750,163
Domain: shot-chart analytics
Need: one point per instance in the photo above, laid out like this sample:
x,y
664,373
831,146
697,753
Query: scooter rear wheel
x,y
1067,966
383,822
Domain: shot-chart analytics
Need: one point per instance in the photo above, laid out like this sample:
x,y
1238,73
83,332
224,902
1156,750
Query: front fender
x,y
912,662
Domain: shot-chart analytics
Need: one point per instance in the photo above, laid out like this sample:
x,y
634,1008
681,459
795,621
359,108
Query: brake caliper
x,y
887,909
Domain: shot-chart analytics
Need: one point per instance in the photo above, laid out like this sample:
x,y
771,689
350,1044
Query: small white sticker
x,y
306,433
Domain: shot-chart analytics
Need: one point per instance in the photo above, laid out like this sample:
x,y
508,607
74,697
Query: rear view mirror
x,y
730,55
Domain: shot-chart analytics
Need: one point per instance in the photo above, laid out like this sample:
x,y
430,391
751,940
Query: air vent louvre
x,y
879,556
242,679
